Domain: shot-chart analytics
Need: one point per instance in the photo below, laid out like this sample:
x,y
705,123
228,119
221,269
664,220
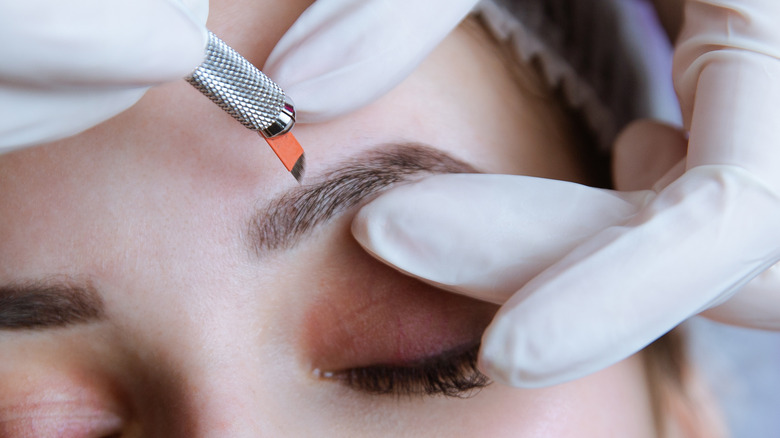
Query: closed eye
x,y
453,373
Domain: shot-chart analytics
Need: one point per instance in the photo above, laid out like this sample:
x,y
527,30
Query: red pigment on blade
x,y
287,148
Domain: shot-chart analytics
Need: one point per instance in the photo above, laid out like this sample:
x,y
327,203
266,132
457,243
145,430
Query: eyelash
x,y
451,374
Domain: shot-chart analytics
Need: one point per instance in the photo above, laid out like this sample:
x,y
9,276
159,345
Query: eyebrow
x,y
282,222
51,303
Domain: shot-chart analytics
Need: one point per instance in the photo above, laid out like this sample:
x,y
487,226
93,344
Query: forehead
x,y
176,163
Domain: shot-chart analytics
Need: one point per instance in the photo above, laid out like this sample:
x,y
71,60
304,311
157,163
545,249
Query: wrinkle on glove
x,y
686,249
341,55
68,66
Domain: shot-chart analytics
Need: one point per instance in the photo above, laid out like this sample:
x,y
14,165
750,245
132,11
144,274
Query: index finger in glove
x,y
486,235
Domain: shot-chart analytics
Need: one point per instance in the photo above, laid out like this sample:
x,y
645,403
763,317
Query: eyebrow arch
x,y
50,303
283,221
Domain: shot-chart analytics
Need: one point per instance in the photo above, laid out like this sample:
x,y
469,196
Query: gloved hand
x,y
624,268
68,65
380,43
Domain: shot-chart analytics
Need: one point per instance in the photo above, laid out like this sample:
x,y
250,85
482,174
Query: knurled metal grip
x,y
242,90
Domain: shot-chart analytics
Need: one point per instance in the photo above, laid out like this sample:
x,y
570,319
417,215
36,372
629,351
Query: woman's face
x,y
154,281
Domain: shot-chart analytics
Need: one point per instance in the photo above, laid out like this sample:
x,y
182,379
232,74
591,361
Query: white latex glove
x,y
343,54
635,265
68,65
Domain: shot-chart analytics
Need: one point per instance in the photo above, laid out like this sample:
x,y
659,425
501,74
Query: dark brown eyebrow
x,y
282,222
50,303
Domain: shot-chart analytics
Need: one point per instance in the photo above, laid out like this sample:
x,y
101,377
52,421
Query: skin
x,y
205,338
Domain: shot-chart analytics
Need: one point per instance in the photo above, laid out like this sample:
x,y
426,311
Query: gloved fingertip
x,y
515,354
437,230
499,358
379,229
364,229
481,235
405,228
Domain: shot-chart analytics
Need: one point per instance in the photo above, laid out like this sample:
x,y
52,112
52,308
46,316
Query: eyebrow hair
x,y
283,221
51,303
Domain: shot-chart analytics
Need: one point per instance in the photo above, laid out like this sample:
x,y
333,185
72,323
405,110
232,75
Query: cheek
x,y
612,402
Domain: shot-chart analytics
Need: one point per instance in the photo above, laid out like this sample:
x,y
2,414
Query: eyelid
x,y
370,314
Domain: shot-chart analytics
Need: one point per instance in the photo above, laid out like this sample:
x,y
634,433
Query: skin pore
x,y
201,329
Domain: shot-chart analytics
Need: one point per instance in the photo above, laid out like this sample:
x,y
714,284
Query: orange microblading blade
x,y
287,148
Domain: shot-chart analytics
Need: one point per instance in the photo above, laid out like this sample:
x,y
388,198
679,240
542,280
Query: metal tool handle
x,y
242,90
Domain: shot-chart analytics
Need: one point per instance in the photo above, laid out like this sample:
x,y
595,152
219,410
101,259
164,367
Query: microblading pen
x,y
247,94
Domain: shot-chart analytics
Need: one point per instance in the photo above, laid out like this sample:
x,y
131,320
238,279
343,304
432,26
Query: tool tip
x,y
298,168
287,148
